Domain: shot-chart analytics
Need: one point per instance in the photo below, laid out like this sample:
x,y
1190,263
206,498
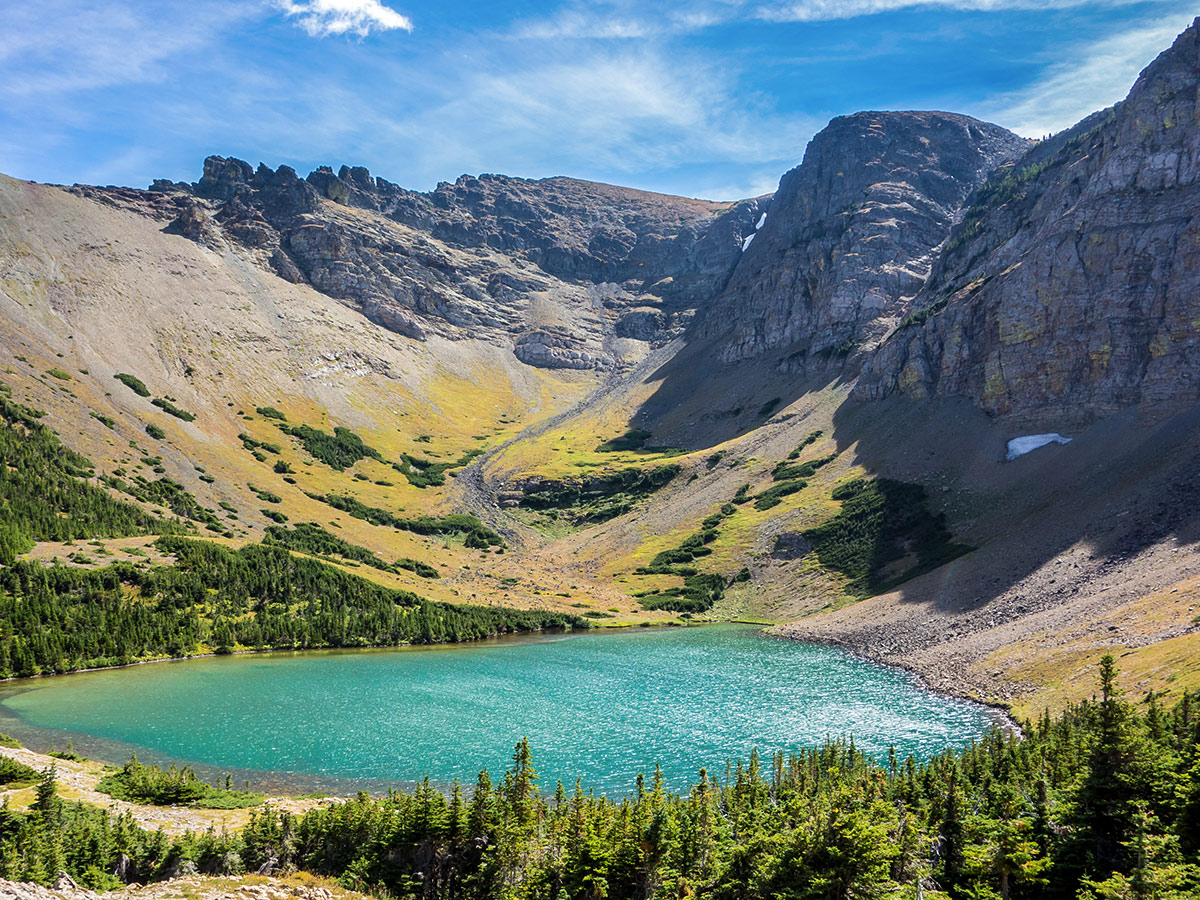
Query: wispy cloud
x,y
626,19
58,46
827,10
1092,77
599,111
322,18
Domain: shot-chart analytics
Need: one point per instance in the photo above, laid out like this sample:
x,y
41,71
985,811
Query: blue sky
x,y
713,98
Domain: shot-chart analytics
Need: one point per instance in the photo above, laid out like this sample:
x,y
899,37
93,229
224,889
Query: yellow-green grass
x,y
1058,671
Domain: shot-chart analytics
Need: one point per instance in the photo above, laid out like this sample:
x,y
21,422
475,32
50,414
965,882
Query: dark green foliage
x,y
59,374
423,473
701,590
173,787
774,495
712,461
15,774
59,619
1009,816
339,450
133,383
270,412
455,524
311,538
786,470
251,444
699,593
155,432
166,493
634,439
811,439
417,567
264,495
882,522
274,515
283,468
7,740
742,495
171,409
601,497
45,494
107,421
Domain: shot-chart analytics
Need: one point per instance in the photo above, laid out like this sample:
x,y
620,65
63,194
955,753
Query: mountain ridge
x,y
662,403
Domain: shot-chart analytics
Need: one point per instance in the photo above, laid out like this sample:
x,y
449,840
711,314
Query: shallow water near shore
x,y
598,706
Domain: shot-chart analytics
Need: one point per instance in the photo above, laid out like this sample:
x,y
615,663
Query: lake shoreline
x,y
1001,711
762,690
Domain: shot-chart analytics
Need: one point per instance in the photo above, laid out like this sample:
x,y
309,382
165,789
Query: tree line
x,y
215,599
1100,803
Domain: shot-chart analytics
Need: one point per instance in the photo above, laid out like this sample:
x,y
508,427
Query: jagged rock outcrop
x,y
473,258
852,232
1072,288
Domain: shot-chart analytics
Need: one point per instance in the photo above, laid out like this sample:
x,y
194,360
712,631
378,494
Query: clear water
x,y
602,707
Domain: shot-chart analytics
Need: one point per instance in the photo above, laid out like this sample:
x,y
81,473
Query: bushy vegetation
x,y
339,450
45,493
774,495
251,444
171,409
270,412
134,383
1097,804
166,493
476,534
882,522
155,432
700,590
58,619
600,497
171,787
423,473
311,538
14,774
811,439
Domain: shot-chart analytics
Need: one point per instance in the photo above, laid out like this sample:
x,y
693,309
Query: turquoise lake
x,y
600,706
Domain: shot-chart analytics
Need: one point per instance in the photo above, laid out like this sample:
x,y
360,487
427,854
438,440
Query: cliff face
x,y
554,268
1072,287
852,233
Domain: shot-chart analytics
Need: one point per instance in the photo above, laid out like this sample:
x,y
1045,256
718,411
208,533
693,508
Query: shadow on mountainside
x,y
699,403
1121,487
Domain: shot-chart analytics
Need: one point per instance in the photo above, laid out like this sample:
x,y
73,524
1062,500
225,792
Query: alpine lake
x,y
597,706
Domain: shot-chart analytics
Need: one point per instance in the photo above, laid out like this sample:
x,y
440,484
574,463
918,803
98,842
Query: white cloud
x,y
1093,77
599,113
632,19
825,10
56,47
321,18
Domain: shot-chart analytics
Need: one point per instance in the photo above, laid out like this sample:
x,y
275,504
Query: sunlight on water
x,y
598,706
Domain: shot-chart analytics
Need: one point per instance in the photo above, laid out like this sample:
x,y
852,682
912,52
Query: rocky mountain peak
x,y
852,233
1068,291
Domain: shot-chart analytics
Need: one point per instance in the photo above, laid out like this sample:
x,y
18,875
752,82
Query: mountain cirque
x,y
922,288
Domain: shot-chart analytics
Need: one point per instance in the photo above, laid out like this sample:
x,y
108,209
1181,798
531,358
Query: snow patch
x,y
761,222
1019,446
746,243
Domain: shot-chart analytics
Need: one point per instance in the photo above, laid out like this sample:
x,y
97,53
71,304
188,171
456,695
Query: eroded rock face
x,y
474,258
852,232
1072,288
557,350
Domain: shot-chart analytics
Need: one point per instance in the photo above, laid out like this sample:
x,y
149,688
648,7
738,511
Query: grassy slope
x,y
221,336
